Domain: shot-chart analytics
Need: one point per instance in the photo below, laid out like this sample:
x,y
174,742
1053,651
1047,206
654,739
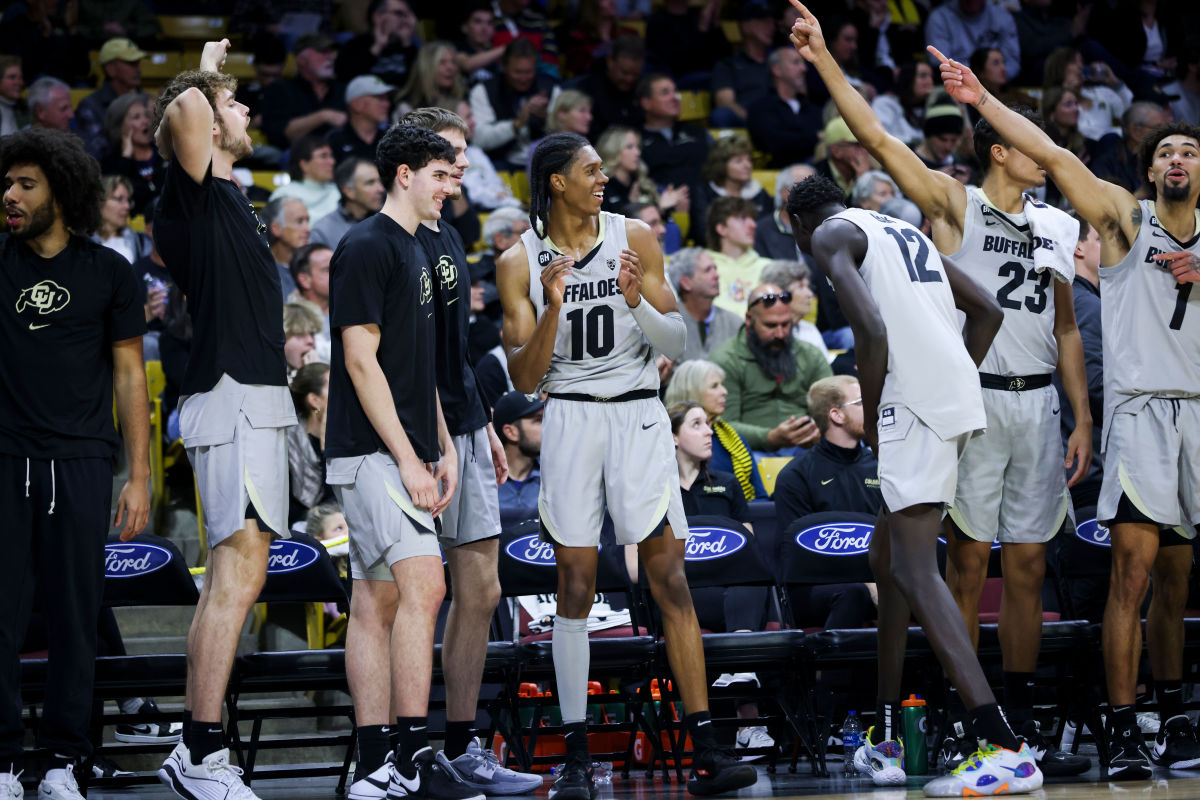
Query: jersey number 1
x,y
916,269
597,332
1185,291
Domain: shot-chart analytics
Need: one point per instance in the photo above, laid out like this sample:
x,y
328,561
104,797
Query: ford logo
x,y
705,544
837,538
289,556
134,559
530,549
1093,533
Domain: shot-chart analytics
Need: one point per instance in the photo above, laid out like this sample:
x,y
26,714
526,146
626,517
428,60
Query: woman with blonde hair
x,y
434,81
628,177
700,381
114,231
571,112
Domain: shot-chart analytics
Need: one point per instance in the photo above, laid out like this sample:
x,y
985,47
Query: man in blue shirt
x,y
517,418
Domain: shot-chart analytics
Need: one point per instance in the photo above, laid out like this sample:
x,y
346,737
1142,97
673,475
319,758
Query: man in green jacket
x,y
767,373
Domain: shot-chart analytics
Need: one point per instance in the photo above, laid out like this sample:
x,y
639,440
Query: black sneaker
x,y
1175,746
575,781
149,732
107,768
1053,763
715,771
435,779
958,748
1127,759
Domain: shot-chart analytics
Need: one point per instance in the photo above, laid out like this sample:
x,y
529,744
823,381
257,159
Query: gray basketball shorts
x,y
616,456
1152,456
1011,482
916,466
474,512
385,526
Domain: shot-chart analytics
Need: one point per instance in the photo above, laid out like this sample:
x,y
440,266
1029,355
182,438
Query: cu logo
x,y
47,297
448,272
426,287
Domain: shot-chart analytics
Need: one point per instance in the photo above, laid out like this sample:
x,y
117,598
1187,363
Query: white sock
x,y
130,705
571,659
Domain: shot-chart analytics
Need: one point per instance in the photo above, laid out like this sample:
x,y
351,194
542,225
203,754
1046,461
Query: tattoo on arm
x,y
1136,216
983,100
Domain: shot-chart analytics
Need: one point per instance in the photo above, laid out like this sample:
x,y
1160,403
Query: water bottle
x,y
602,773
915,747
851,736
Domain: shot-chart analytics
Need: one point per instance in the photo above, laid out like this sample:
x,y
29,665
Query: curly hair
x,y
720,153
812,193
412,146
553,156
210,83
436,119
1153,139
73,175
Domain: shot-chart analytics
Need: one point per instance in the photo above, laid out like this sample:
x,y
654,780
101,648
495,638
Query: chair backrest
x,y
299,570
830,547
147,570
1085,551
527,564
722,552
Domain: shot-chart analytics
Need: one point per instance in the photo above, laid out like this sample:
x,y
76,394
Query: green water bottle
x,y
916,757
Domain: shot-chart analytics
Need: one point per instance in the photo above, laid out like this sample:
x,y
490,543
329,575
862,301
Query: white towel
x,y
1055,234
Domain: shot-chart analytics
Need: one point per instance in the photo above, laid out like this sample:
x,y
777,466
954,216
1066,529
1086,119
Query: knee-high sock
x,y
571,658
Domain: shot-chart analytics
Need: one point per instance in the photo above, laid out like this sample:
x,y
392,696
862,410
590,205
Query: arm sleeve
x,y
665,332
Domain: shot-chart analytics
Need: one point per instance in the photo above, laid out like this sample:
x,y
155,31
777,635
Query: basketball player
x,y
1150,496
585,304
235,404
1012,485
921,404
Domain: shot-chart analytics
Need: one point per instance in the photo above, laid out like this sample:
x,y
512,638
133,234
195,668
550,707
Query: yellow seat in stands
x,y
769,469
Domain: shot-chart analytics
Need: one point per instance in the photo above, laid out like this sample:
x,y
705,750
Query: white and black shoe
x,y
59,784
1175,746
1053,763
149,732
958,748
433,779
1127,757
373,786
214,778
107,768
10,785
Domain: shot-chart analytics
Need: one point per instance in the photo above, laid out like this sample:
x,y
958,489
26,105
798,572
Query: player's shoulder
x,y
512,264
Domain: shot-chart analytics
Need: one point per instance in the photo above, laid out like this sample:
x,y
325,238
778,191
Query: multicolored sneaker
x,y
884,761
991,770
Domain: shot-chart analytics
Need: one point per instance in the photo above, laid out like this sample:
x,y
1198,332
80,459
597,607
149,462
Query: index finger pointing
x,y
933,51
804,12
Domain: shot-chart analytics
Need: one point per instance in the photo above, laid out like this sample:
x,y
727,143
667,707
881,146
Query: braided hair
x,y
552,156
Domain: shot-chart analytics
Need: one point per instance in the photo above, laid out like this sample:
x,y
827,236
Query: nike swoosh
x,y
825,482
33,327
1055,412
648,427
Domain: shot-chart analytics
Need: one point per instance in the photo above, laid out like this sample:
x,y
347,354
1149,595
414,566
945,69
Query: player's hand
x,y
420,484
499,459
213,57
156,304
665,367
554,280
630,277
806,34
1184,265
1079,453
446,477
133,509
960,81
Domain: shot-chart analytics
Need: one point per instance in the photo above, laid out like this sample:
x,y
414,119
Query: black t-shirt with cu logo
x,y
380,275
461,404
59,318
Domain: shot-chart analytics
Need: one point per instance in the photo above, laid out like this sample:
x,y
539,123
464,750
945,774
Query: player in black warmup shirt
x,y
71,333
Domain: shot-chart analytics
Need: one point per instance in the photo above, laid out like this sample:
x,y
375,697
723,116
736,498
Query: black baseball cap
x,y
514,406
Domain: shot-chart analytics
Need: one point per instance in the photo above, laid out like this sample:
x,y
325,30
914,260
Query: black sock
x,y
699,725
990,724
373,747
1018,696
1122,718
394,737
955,710
187,729
206,739
888,720
414,737
458,736
577,741
1170,698
58,761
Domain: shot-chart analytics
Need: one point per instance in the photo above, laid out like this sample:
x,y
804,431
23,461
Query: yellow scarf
x,y
739,454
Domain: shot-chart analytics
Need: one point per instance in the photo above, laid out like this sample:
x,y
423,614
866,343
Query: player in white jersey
x,y
1012,486
1150,496
585,300
921,404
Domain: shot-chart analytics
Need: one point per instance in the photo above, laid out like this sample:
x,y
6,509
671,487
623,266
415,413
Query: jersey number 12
x,y
595,330
917,272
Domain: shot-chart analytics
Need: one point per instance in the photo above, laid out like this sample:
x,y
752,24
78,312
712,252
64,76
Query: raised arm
x,y
185,133
1111,210
984,316
529,341
939,196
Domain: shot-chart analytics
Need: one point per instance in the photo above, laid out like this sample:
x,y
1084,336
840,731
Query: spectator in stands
x,y
700,381
518,421
501,230
517,19
306,442
960,27
693,276
1186,86
793,276
362,193
988,63
301,324
14,114
591,35
482,183
845,160
1145,35
614,99
843,46
768,374
1116,155
629,177
131,151
120,61
943,133
312,102
102,19
270,57
570,112
44,38
368,107
739,80
652,215
1103,98
728,172
784,123
156,283
113,231
1040,31
286,18
902,113
674,152
730,232
288,230
685,40
310,165
840,473
1060,118
510,109
907,210
434,80
773,232
388,50
872,189
310,271
476,55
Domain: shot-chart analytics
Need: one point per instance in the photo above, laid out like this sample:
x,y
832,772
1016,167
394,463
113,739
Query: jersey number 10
x,y
596,332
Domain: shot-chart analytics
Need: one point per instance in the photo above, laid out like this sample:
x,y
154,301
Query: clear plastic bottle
x,y
851,738
602,773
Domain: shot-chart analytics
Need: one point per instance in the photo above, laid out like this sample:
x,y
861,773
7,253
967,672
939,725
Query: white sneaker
x,y
375,785
10,786
727,679
59,784
753,738
214,778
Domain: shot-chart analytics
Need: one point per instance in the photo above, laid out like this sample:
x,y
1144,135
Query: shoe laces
x,y
976,759
226,774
